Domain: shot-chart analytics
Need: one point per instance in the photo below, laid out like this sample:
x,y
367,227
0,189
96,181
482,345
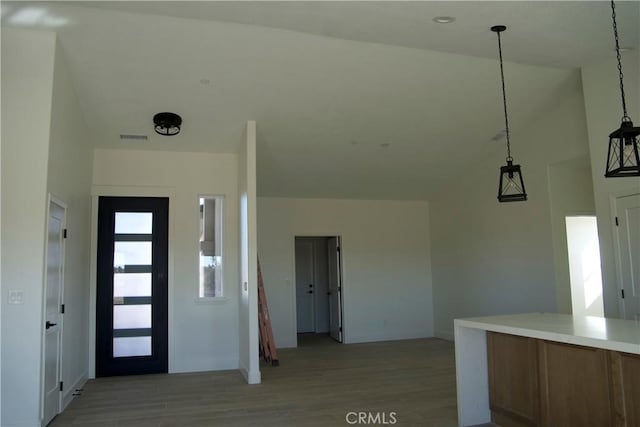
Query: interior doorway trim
x,y
341,272
129,191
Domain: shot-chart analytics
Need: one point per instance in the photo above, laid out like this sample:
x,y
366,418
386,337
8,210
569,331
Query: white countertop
x,y
599,332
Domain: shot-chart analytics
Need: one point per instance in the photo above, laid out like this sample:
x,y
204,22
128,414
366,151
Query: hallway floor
x,y
317,384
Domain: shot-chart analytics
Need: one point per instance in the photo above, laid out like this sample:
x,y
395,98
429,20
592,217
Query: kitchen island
x,y
547,369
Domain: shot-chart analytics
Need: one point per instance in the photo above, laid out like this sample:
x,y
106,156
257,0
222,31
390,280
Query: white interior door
x,y
53,317
304,286
335,289
628,214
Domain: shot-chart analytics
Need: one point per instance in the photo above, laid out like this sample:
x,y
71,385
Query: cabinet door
x,y
625,374
575,389
513,380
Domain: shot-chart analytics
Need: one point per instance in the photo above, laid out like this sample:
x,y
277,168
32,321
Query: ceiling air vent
x,y
134,137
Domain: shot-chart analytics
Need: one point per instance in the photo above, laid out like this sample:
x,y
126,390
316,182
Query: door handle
x,y
49,325
310,285
328,293
309,292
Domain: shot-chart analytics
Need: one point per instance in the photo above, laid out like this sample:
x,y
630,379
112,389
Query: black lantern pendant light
x,y
623,158
167,124
511,186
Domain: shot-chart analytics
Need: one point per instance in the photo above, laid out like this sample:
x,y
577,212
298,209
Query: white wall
x,y
202,335
69,179
604,111
495,258
385,250
570,193
248,288
27,84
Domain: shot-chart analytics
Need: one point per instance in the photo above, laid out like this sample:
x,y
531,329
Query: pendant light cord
x,y
504,101
625,117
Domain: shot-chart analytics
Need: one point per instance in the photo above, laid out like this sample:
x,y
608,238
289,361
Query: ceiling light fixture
x,y
623,158
167,124
511,186
444,19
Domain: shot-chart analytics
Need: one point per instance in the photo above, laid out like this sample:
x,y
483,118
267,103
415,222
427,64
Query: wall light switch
x,y
16,297
245,286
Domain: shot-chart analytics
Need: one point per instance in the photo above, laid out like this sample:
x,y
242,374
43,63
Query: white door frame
x,y
51,199
613,202
294,320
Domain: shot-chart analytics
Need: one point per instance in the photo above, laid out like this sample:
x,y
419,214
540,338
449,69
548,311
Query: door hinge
x,y
617,223
64,233
61,308
338,248
622,293
61,386
340,328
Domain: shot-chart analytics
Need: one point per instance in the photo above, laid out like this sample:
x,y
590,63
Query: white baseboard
x,y
251,377
24,424
205,366
67,396
444,335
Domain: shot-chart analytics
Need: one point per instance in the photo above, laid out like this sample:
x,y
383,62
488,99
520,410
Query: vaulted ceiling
x,y
352,99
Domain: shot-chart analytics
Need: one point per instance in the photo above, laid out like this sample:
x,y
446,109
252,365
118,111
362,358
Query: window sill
x,y
211,301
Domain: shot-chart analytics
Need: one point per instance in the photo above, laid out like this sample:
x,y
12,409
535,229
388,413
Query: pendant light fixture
x,y
623,158
511,186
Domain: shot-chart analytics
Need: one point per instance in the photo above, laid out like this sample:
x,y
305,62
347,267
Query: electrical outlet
x,y
16,297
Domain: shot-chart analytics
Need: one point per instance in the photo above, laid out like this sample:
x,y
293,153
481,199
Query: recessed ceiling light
x,y
385,145
205,81
444,19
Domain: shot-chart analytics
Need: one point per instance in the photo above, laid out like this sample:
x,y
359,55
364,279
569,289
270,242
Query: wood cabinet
x,y
513,380
625,378
544,383
575,387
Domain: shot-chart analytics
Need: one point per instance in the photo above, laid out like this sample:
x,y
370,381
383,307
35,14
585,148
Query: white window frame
x,y
220,298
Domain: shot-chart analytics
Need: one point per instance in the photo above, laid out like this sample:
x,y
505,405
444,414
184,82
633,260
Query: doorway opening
x,y
318,289
584,266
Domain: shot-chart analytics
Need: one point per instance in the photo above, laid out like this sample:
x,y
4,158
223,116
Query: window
x,y
210,246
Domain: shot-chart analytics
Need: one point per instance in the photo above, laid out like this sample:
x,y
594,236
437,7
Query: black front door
x,y
131,306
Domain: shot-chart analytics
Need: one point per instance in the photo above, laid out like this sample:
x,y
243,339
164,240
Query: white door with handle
x,y
305,303
52,311
628,233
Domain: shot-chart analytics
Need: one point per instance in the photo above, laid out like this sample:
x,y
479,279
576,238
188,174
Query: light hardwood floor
x,y
316,384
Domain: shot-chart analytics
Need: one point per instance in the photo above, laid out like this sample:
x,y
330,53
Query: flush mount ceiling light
x,y
623,158
444,19
167,124
511,186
